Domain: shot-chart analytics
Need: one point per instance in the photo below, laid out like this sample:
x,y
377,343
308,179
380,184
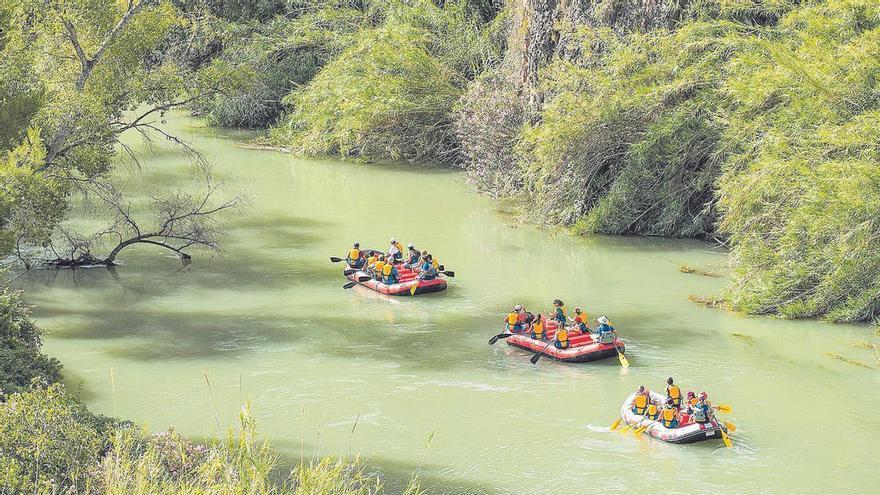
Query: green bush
x,y
49,442
391,94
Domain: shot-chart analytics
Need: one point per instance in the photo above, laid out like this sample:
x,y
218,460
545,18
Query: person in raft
x,y
653,411
538,327
355,258
412,257
514,320
669,416
427,270
559,312
640,402
561,340
581,321
702,410
395,252
378,268
389,274
605,333
673,393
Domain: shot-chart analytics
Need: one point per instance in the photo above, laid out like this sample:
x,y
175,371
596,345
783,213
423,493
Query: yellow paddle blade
x,y
724,408
625,428
726,439
412,291
616,424
624,362
730,427
640,430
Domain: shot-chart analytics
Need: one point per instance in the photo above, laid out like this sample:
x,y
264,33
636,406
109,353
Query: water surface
x,y
268,322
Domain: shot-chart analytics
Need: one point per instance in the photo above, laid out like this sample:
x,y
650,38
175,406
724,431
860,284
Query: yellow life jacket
x,y
674,393
640,403
386,270
511,318
371,260
399,247
562,335
668,416
380,265
354,254
435,263
652,411
692,401
538,328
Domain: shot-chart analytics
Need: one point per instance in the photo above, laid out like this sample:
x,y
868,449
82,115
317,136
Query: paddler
x,y
395,252
427,271
673,393
513,320
355,258
559,312
561,338
379,267
604,331
538,327
668,415
413,255
371,261
702,410
640,401
389,273
653,412
581,321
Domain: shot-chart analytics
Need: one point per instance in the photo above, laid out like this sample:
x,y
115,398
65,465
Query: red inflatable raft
x,y
689,432
408,279
582,347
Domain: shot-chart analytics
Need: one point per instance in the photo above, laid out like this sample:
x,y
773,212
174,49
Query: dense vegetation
x,y
743,121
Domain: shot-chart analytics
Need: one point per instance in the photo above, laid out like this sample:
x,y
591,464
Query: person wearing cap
x,y
559,312
413,255
668,416
673,393
581,321
395,252
640,401
513,320
702,410
355,258
604,331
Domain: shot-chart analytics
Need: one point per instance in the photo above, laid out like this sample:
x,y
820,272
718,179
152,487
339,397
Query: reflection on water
x,y
268,321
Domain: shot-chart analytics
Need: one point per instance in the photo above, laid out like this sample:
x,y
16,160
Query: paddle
x,y
624,362
726,439
349,271
448,273
334,259
628,426
616,424
499,336
537,355
643,428
412,290
730,426
724,408
353,283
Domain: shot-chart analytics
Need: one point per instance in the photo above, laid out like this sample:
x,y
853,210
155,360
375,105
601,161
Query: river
x,y
267,321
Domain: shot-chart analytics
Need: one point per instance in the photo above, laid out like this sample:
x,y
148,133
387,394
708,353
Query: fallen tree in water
x,y
176,222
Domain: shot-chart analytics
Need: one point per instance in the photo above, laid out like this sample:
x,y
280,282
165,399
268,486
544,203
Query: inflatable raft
x,y
688,432
408,279
582,347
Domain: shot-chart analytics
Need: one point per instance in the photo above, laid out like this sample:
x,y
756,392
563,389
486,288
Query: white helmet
x,y
603,320
411,246
518,307
393,240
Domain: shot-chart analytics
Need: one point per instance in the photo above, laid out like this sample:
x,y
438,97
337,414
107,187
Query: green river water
x,y
268,321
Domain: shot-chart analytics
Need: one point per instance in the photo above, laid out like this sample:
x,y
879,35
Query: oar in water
x,y
616,424
537,355
730,426
334,259
725,408
726,439
628,426
442,269
414,288
624,362
499,336
353,283
642,429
